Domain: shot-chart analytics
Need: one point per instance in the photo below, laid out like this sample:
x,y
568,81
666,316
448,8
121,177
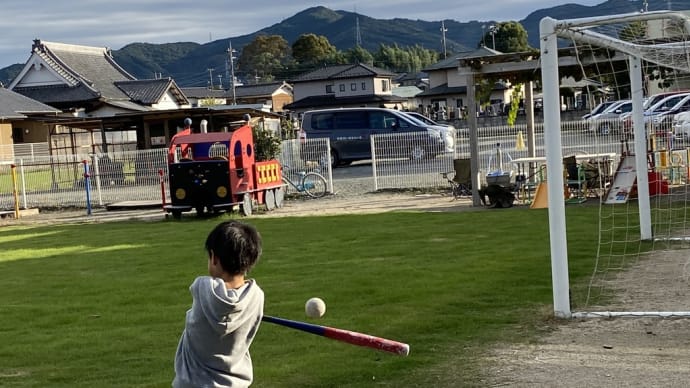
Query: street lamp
x,y
492,31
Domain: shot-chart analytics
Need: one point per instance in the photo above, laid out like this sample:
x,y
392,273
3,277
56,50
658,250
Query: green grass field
x,y
104,304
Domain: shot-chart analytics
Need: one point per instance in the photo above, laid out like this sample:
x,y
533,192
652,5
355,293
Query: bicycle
x,y
311,183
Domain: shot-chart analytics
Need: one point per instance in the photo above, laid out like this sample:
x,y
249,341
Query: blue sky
x,y
109,23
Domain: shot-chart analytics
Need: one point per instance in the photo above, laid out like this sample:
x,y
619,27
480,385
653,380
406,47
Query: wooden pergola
x,y
523,66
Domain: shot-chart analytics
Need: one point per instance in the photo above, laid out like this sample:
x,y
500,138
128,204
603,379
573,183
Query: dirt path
x,y
612,352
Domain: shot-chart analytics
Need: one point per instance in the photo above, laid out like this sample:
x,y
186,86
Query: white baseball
x,y
315,308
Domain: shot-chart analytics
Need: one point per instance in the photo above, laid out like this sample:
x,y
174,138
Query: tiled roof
x,y
453,61
16,106
266,89
93,66
313,102
443,90
406,91
89,74
150,91
342,71
54,94
411,76
204,92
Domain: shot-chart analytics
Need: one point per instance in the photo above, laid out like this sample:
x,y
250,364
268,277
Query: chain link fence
x,y
399,161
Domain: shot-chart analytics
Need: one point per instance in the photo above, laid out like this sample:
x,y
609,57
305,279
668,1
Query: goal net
x,y
641,266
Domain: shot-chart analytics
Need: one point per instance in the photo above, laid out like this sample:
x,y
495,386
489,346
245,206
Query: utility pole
x,y
483,42
210,77
220,81
231,58
492,31
443,38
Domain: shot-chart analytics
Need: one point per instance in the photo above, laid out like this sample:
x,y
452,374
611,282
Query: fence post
x,y
96,171
330,167
21,171
87,185
160,173
14,190
373,163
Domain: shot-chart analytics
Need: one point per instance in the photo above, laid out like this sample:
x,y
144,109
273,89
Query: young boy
x,y
225,314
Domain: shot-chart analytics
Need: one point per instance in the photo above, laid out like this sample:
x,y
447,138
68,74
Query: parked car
x,y
446,131
350,130
681,125
598,109
608,120
662,120
654,106
653,99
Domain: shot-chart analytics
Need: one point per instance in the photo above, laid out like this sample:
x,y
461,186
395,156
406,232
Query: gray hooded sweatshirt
x,y
219,328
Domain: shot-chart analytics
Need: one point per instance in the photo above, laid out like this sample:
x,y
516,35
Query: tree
x,y
408,59
510,37
358,54
265,56
310,49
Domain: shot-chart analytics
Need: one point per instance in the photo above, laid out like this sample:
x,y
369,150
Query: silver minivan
x,y
350,131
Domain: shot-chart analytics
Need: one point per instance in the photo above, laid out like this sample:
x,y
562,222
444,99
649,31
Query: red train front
x,y
213,172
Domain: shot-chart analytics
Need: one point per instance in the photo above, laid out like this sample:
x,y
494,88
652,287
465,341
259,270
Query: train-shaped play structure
x,y
216,171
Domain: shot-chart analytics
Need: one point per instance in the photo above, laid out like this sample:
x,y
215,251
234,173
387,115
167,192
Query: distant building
x,y
448,88
21,121
343,86
87,82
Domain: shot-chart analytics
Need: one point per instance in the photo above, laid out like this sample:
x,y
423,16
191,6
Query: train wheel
x,y
177,214
270,198
279,197
200,210
246,206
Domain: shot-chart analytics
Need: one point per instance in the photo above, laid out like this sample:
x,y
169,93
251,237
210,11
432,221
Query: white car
x,y
608,120
681,125
445,131
598,109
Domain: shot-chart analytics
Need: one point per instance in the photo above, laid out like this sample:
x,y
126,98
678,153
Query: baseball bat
x,y
351,337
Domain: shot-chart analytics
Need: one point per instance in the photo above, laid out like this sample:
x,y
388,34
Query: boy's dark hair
x,y
237,245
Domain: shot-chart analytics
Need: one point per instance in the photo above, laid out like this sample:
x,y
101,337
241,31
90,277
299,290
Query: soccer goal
x,y
642,261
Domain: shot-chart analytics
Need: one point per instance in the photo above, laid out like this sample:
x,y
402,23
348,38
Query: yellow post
x,y
15,191
663,159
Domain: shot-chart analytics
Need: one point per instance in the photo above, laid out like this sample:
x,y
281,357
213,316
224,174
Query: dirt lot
x,y
616,352
612,352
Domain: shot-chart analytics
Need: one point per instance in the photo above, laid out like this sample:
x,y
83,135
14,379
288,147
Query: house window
x,y
18,135
364,86
342,87
384,85
353,86
329,88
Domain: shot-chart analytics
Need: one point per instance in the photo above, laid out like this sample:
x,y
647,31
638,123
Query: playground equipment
x,y
217,171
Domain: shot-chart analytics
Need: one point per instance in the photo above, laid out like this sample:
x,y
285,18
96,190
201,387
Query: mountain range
x,y
188,62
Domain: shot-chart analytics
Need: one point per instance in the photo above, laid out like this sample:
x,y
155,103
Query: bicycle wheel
x,y
314,185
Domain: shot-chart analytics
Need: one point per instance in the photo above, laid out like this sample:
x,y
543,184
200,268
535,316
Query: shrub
x,y
266,143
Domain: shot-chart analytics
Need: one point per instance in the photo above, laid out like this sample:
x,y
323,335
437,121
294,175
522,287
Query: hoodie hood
x,y
224,308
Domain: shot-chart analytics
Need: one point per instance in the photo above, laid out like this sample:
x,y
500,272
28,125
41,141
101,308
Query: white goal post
x,y
669,54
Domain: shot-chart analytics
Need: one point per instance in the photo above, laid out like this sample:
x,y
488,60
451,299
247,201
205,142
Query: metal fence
x,y
10,152
59,181
511,141
55,182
